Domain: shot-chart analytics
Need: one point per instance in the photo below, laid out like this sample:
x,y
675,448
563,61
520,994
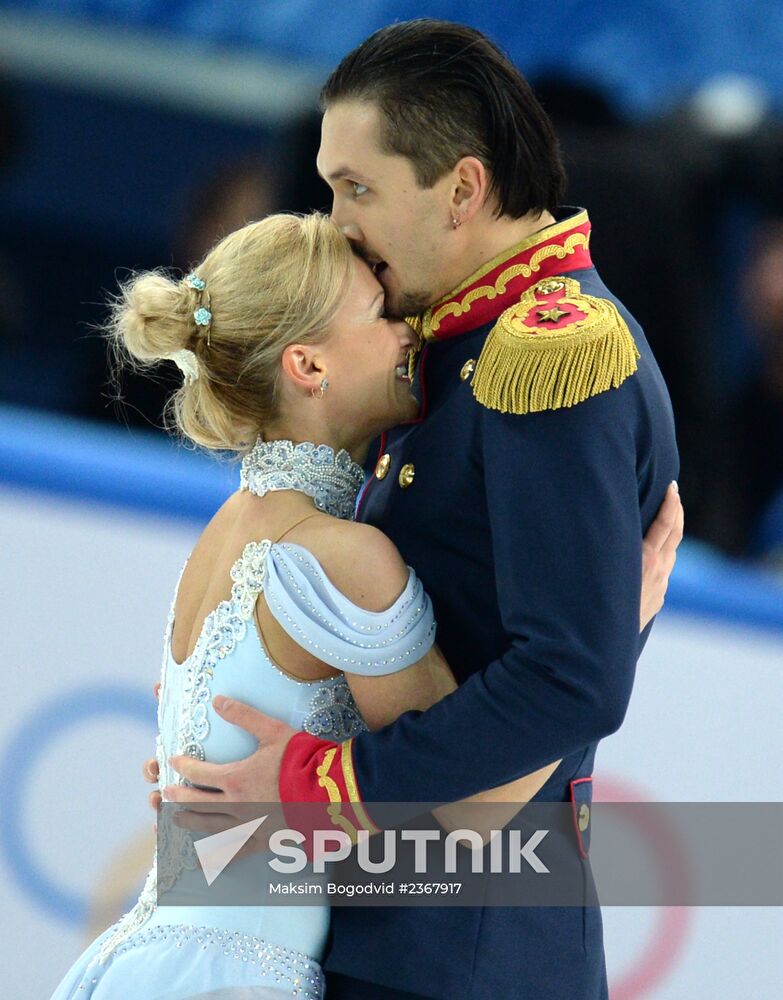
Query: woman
x,y
285,602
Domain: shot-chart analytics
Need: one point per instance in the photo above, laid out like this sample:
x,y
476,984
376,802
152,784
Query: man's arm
x,y
564,508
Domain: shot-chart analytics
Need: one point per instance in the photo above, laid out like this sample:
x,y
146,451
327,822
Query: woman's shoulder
x,y
361,562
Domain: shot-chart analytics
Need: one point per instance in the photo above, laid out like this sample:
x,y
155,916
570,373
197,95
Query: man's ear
x,y
302,367
470,187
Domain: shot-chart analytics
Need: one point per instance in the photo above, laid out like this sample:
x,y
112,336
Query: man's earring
x,y
323,387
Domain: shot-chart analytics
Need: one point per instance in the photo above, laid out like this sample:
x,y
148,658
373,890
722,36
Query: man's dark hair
x,y
444,92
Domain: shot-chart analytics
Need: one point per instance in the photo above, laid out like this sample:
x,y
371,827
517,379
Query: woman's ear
x,y
303,367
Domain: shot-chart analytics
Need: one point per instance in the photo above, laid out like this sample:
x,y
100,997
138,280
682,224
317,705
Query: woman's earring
x,y
456,223
324,386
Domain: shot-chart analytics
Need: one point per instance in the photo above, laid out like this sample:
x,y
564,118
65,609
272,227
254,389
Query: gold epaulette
x,y
556,347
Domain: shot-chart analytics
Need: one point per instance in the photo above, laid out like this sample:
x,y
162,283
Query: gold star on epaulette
x,y
551,315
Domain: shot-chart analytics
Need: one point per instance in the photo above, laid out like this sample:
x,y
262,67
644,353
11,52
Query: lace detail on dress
x,y
332,479
334,714
223,628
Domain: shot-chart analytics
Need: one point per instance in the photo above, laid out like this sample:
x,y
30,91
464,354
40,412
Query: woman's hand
x,y
659,552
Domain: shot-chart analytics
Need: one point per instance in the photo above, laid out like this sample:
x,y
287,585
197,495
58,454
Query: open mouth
x,y
379,267
402,369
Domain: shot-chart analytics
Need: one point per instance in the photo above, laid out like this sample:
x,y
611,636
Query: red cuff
x,y
317,771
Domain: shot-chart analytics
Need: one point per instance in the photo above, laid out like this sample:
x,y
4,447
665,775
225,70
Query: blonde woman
x,y
289,360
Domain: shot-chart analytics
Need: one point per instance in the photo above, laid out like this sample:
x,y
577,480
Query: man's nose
x,y
351,230
342,218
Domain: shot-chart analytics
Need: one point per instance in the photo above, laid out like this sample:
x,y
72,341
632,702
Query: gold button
x,y
382,468
467,369
407,474
583,819
548,287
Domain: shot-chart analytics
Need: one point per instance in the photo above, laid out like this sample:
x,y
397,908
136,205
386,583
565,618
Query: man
x,y
544,446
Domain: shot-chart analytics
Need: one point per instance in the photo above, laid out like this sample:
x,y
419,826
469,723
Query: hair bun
x,y
150,317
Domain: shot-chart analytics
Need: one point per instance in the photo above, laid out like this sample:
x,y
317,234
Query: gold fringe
x,y
416,323
527,370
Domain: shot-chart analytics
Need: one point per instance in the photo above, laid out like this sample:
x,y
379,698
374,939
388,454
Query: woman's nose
x,y
406,335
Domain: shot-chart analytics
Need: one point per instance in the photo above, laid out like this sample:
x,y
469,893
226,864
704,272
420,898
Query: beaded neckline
x,y
332,479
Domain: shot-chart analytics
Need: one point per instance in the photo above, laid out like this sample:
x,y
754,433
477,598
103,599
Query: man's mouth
x,y
379,267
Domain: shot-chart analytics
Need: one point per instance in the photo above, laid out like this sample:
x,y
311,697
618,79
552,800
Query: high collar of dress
x,y
331,478
562,247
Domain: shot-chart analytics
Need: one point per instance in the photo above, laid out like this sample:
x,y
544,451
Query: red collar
x,y
558,249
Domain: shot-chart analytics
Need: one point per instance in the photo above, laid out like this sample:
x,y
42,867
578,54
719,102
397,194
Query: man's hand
x,y
659,552
254,779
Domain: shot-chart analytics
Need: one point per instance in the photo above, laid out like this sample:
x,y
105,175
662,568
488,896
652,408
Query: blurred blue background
x,y
134,134
650,54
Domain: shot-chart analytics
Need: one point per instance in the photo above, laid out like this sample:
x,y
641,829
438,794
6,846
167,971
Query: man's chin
x,y
398,305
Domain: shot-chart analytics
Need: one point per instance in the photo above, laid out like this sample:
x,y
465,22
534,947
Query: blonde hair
x,y
271,284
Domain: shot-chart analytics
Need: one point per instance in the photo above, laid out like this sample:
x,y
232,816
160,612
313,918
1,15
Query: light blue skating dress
x,y
261,952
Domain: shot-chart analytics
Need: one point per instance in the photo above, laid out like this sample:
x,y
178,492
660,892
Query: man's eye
x,y
358,189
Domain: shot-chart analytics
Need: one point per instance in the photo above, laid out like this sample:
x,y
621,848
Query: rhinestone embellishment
x,y
334,715
331,478
296,972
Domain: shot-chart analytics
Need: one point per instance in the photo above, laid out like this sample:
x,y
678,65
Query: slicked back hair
x,y
446,91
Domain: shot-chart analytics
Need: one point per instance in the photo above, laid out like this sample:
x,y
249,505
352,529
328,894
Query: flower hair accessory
x,y
202,316
194,281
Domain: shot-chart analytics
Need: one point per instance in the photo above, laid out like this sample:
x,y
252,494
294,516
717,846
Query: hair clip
x,y
186,361
202,316
195,282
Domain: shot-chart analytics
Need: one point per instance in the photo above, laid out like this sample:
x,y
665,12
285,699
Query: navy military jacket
x,y
526,531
